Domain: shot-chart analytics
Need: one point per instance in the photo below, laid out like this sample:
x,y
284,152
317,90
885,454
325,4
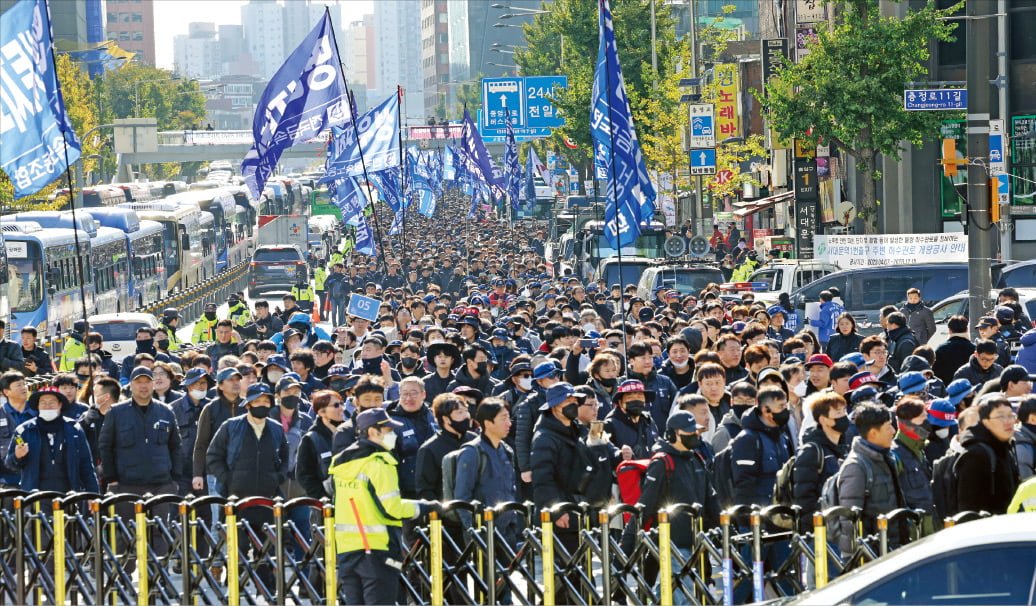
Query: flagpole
x,y
402,169
71,188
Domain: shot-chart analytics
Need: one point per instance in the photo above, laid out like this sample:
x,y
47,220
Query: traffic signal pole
x,y
979,224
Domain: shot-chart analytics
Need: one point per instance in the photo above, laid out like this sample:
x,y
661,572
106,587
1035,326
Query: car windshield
x,y
117,331
268,255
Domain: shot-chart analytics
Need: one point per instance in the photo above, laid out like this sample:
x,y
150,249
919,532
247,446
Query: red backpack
x,y
630,475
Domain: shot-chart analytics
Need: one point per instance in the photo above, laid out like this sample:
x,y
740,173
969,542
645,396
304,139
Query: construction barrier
x,y
128,549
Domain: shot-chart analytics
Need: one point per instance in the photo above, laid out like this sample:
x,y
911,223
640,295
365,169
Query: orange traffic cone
x,y
316,314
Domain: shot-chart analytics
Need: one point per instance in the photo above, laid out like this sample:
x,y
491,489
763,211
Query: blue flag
x,y
387,182
347,195
34,127
511,166
630,193
530,183
306,95
475,158
378,143
365,238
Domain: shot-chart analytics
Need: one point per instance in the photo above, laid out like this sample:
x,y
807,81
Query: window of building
x,y
138,17
444,58
138,36
124,36
125,17
442,17
443,38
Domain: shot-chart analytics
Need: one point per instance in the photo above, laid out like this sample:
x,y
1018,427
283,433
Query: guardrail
x,y
79,548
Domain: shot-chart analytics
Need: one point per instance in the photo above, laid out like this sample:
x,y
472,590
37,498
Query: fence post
x,y
883,535
819,549
19,549
140,534
606,553
547,527
489,517
278,520
186,542
665,558
728,564
59,552
98,541
233,566
330,556
435,530
757,556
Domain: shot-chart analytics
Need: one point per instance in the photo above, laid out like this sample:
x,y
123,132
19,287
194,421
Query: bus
x,y
243,225
220,203
135,192
5,306
144,238
181,240
103,195
110,260
274,200
591,246
45,284
209,245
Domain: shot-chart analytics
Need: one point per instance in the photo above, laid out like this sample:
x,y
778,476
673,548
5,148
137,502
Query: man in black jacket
x,y
10,352
955,351
824,447
628,423
37,362
982,366
901,342
642,368
474,370
987,474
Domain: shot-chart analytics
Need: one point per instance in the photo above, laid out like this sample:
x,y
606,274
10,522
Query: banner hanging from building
x,y
897,249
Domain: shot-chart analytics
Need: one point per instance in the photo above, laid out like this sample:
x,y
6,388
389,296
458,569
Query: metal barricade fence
x,y
126,549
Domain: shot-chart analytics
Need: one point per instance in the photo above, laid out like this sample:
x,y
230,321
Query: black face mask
x,y
461,427
409,363
259,412
145,344
781,418
690,442
634,407
842,424
570,411
290,402
210,315
740,409
482,368
675,307
609,383
162,345
372,366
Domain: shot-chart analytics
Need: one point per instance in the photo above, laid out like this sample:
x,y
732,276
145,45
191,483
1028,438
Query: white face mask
x,y
50,414
434,341
388,440
942,433
588,327
198,394
525,383
274,375
800,389
680,365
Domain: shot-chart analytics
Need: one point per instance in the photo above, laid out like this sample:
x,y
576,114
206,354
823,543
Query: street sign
x,y
703,161
698,246
997,162
703,125
363,307
528,99
934,99
723,177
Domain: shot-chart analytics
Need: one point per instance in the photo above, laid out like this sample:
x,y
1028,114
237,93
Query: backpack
x,y
944,480
630,475
829,495
338,289
723,471
449,474
783,489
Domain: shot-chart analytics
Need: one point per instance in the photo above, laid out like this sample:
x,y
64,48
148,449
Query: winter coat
x,y
881,495
901,343
140,445
44,365
679,380
525,415
915,475
623,431
215,412
79,462
808,474
1025,451
435,385
984,484
839,345
729,428
559,466
920,321
187,414
494,484
314,460
463,378
429,462
665,393
245,466
419,427
974,373
955,352
758,453
10,355
1027,354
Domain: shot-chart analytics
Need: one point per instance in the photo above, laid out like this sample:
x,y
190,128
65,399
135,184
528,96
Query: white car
x,y
120,330
984,562
958,305
787,276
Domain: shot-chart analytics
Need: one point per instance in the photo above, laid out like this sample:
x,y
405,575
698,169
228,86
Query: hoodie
x,y
984,484
1027,354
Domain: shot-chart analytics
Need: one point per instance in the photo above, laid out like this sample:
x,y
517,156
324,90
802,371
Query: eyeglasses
x,y
615,344
1009,417
336,404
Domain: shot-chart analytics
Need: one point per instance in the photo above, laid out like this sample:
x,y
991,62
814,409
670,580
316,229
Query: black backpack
x,y
723,471
784,486
944,480
338,289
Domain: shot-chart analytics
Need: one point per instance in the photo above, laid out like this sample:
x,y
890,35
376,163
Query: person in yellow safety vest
x,y
171,320
319,277
744,271
239,313
205,327
303,294
337,257
75,347
369,512
1024,498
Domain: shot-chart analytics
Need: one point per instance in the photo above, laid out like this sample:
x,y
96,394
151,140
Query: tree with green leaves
x,y
849,90
564,40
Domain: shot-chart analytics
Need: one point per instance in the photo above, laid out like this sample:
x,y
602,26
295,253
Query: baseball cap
x,y
632,386
942,413
855,358
141,371
500,333
544,370
278,361
823,359
226,373
211,306
1013,374
864,394
256,391
193,376
558,393
375,417
1003,313
860,379
682,421
79,326
286,381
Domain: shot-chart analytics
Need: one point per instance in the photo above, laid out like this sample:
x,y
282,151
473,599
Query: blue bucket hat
x,y
558,393
544,370
959,389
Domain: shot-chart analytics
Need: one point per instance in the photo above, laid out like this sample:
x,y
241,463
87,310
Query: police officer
x,y
171,320
75,347
369,512
303,294
319,280
205,327
239,313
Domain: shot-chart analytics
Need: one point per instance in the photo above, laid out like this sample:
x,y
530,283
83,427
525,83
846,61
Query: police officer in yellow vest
x,y
369,512
337,256
205,327
319,277
1024,498
303,294
75,347
171,320
239,313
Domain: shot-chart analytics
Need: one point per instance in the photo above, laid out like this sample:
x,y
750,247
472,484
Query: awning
x,y
763,203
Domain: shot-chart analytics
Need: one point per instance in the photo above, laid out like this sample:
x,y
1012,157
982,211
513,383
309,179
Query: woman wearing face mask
x,y
679,367
824,446
604,378
915,476
50,451
314,455
629,423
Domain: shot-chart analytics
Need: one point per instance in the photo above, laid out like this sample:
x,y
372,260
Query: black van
x,y
865,291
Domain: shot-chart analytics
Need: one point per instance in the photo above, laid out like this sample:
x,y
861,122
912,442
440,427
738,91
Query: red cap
x,y
820,359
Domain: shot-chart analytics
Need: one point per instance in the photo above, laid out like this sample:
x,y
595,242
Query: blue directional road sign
x,y
703,161
528,99
703,126
997,162
934,99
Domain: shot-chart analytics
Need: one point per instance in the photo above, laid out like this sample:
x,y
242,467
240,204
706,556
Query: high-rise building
x,y
300,16
263,21
356,48
197,55
397,45
131,24
435,56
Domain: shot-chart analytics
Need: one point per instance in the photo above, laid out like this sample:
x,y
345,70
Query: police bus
x,y
46,285
181,240
144,240
220,203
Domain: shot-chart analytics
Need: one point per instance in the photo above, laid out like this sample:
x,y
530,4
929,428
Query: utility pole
x,y
979,224
698,203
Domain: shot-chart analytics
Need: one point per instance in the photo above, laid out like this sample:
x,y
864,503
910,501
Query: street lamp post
x,y
136,85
